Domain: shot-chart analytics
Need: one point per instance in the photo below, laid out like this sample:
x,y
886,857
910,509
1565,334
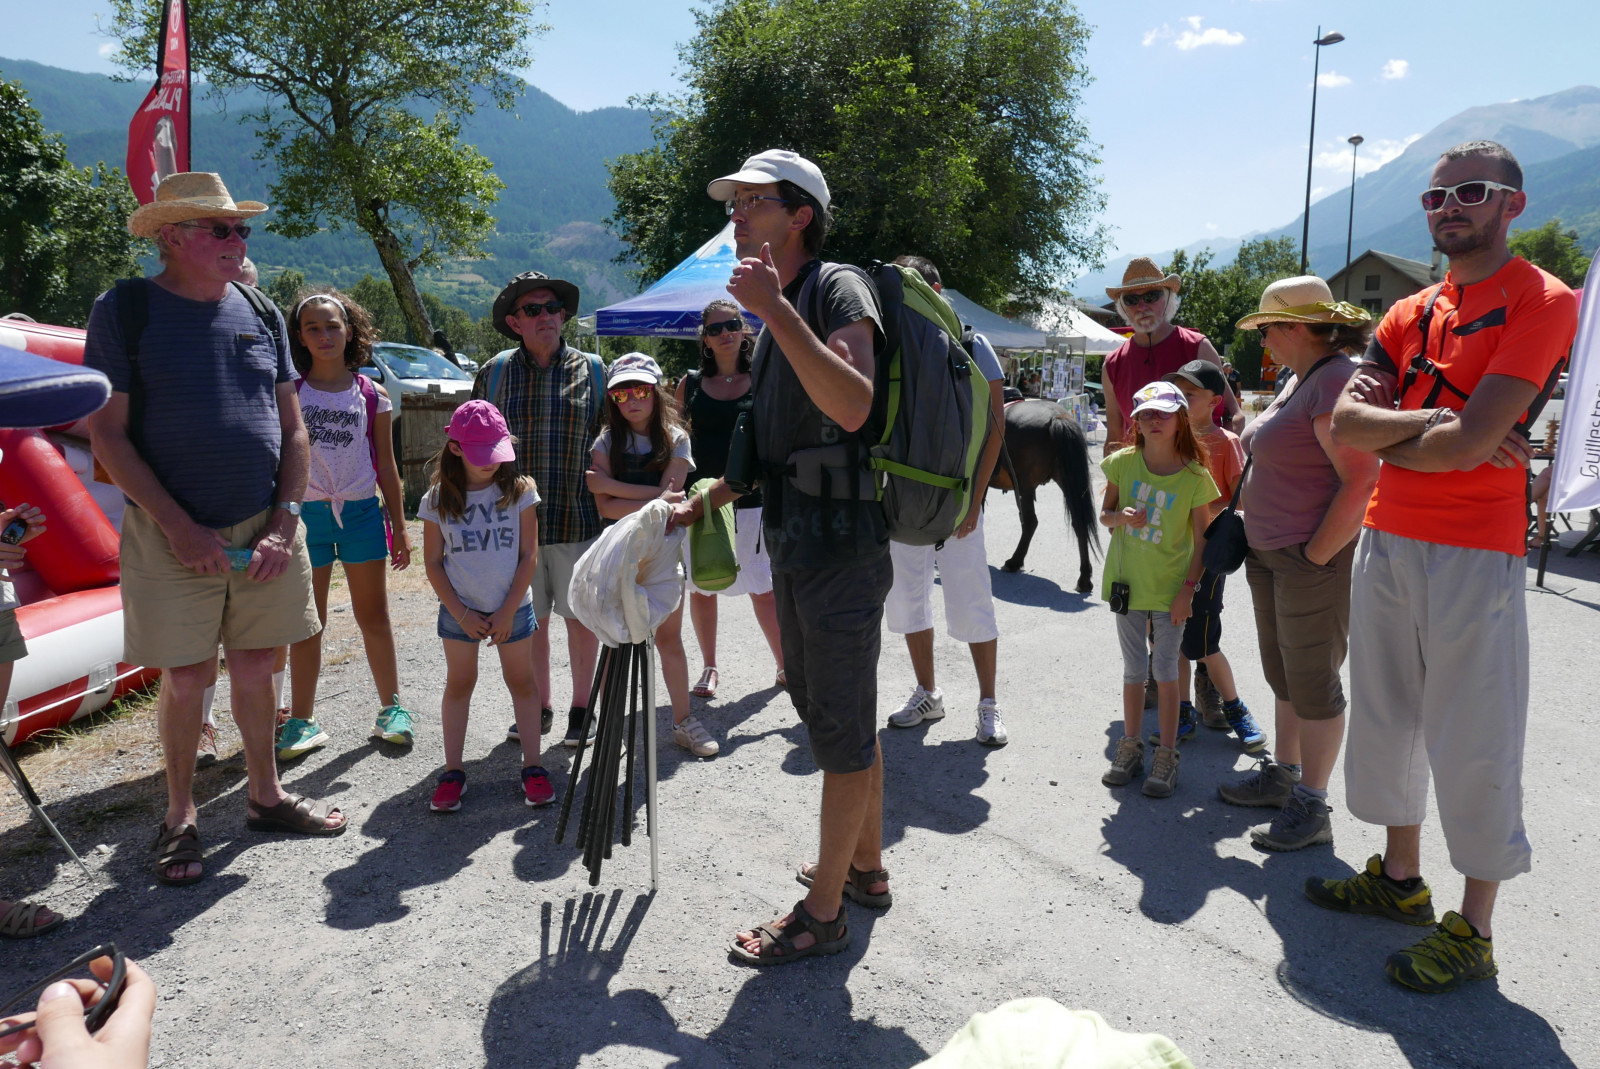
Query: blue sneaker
x,y
1251,737
1188,724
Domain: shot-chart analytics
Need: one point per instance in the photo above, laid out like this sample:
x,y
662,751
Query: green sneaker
x,y
299,737
1444,960
1373,892
394,724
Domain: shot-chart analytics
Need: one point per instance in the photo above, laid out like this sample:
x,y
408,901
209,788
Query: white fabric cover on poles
x,y
1575,483
628,581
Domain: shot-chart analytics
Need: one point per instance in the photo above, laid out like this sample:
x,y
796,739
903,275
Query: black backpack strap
x,y
1420,364
1539,400
133,315
265,311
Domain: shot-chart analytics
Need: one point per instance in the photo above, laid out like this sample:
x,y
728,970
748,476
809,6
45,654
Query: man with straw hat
x,y
203,435
1148,300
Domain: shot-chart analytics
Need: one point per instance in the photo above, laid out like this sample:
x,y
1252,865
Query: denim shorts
x,y
362,538
522,625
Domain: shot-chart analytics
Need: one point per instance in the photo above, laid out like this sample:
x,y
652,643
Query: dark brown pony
x,y
1044,444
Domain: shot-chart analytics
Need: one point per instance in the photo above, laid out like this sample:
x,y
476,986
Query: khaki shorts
x,y
12,648
1302,625
174,616
553,576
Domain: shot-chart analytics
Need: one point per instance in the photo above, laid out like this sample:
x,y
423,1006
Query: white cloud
x,y
1395,69
1373,154
1332,80
1194,21
1193,37
106,49
1160,33
1211,227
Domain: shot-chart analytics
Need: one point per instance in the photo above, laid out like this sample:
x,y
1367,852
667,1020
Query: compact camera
x,y
1119,598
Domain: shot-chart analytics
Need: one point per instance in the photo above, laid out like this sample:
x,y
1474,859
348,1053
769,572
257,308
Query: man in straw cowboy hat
x,y
203,435
1148,300
1439,630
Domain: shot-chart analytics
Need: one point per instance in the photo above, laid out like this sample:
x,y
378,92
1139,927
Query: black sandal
x,y
777,941
177,846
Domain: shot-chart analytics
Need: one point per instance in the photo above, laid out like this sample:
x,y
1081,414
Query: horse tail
x,y
1072,473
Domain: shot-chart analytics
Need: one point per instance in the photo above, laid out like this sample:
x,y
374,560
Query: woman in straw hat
x,y
1303,502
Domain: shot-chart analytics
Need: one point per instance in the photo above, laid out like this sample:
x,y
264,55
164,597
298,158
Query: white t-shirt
x,y
640,446
480,550
341,460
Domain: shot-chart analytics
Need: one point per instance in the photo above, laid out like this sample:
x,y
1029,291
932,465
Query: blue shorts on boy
x,y
361,538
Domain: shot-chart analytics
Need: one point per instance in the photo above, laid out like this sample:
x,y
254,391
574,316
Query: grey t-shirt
x,y
986,358
1292,482
211,431
482,547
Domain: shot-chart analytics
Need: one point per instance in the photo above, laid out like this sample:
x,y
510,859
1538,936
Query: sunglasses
x,y
220,231
1467,194
639,392
1134,300
733,326
93,1016
533,310
745,201
1154,414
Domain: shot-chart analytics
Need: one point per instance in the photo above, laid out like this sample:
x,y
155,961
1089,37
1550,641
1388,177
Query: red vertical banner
x,y
158,136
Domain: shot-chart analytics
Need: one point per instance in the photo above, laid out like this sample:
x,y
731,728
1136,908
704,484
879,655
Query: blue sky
x,y
1201,108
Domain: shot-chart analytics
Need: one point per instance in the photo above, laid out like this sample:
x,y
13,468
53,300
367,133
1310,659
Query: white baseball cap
x,y
1159,396
773,165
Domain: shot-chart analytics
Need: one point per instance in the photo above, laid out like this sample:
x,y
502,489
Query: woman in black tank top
x,y
711,398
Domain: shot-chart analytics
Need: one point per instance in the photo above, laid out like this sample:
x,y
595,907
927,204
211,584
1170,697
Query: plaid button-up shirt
x,y
555,413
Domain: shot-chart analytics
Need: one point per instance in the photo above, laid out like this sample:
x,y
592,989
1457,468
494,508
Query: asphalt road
x,y
474,939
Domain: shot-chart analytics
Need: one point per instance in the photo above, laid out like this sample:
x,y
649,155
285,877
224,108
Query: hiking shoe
x,y
922,705
575,726
299,737
1188,721
447,795
206,753
1163,775
1444,960
693,736
536,789
1303,821
394,724
283,718
1128,762
991,729
1252,738
1373,892
1270,784
1208,700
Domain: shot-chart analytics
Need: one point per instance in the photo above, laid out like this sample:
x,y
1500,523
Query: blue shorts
x,y
361,539
522,625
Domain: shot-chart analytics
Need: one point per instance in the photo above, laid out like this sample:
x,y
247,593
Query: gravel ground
x,y
474,939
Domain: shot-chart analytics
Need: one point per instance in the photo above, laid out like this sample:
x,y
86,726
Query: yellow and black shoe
x,y
1444,960
1373,892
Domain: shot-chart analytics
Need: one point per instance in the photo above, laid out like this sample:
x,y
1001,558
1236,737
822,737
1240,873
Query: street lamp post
x,y
1311,149
1350,232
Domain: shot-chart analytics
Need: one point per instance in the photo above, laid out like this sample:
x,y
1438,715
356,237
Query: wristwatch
x,y
291,507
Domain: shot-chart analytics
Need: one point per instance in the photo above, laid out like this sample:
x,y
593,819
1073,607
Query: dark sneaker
x,y
1208,700
1252,738
1373,892
547,720
1444,960
575,726
1188,725
1303,821
1163,777
1128,762
1268,785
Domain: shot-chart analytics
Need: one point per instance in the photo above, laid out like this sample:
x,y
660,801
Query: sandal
x,y
297,814
177,846
22,921
783,680
855,885
707,687
777,941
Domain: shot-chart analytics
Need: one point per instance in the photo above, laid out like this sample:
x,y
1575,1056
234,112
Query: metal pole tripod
x,y
31,797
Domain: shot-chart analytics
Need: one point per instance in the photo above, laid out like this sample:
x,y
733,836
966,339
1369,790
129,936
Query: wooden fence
x,y
423,426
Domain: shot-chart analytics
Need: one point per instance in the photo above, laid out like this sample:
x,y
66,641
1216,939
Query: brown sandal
x,y
177,846
22,921
296,814
777,940
855,885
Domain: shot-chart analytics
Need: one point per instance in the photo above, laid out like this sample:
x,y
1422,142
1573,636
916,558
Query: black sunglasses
x,y
1133,300
532,310
220,231
734,325
93,1016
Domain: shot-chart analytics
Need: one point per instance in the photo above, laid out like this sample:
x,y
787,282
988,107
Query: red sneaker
x,y
447,795
536,789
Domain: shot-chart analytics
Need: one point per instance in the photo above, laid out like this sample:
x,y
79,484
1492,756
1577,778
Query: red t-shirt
x,y
1133,366
1519,322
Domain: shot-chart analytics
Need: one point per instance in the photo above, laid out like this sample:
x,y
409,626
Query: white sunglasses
x,y
1467,194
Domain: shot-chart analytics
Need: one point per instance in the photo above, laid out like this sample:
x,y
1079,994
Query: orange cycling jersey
x,y
1518,322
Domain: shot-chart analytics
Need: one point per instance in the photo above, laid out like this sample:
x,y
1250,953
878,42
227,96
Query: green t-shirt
x,y
1154,559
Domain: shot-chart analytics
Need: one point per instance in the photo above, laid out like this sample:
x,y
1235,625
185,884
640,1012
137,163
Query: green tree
x,y
1215,298
948,128
285,288
380,303
1554,249
349,90
63,232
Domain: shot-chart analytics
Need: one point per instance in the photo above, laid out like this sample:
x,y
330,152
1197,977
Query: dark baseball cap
x,y
1201,373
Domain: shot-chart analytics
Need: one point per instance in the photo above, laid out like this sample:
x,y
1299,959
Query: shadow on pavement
x,y
1025,588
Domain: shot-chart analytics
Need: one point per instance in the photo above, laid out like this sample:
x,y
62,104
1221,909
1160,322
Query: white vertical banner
x,y
1575,484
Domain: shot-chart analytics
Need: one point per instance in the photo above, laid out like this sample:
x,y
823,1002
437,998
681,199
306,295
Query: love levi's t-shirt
x,y
481,548
1154,559
341,454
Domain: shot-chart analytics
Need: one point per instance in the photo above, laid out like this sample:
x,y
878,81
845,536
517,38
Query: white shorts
x,y
749,549
963,573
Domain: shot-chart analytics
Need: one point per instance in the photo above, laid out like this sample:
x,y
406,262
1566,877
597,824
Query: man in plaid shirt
x,y
551,396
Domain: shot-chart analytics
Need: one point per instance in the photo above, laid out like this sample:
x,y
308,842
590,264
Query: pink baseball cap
x,y
482,433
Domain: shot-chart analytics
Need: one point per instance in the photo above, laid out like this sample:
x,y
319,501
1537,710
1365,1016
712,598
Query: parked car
x,y
411,369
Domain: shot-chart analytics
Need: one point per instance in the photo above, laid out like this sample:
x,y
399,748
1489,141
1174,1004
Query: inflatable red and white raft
x,y
71,605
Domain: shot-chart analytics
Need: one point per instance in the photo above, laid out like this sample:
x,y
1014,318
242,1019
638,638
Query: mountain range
x,y
1556,138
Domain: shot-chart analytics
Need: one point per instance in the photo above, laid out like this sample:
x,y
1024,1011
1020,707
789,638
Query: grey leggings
x,y
1132,630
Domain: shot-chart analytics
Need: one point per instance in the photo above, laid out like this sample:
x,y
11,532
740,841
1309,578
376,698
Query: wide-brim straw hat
x,y
565,292
186,196
1143,274
1303,299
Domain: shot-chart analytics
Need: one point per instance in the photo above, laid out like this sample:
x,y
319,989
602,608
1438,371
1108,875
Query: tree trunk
x,y
405,287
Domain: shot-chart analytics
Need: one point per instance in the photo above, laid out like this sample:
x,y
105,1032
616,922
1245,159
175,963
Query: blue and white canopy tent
x,y
671,308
